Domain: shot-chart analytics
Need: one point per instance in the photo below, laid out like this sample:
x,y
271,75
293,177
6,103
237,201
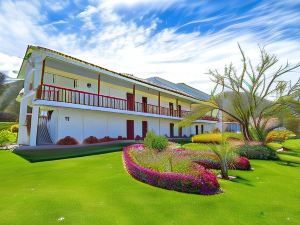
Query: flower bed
x,y
205,183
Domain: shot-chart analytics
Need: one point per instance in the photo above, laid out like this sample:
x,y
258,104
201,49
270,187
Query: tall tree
x,y
254,96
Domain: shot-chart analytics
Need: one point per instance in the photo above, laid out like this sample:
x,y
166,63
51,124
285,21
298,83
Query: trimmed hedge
x,y
257,152
240,163
206,183
279,135
274,146
215,137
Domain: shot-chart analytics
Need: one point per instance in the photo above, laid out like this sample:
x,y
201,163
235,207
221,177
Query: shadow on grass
x,y
242,180
290,164
65,152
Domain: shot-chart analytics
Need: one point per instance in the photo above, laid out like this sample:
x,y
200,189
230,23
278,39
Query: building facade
x,y
65,96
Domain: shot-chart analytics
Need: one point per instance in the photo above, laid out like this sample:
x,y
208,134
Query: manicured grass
x,y
6,125
292,144
97,190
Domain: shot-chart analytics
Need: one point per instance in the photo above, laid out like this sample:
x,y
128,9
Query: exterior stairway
x,y
43,137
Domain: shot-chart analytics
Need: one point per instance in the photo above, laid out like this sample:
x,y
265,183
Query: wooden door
x,y
179,110
180,131
130,129
144,128
171,130
171,107
144,100
130,102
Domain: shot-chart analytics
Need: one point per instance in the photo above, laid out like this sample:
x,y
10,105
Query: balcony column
x,y
22,134
178,113
99,84
133,93
34,125
98,89
38,67
28,74
159,102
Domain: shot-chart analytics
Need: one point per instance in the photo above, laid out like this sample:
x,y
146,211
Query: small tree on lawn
x,y
253,97
225,156
7,137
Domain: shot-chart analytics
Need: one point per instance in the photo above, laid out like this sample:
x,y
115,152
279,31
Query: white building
x,y
65,96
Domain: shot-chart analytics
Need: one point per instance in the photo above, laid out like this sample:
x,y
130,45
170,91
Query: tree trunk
x,y
246,132
224,172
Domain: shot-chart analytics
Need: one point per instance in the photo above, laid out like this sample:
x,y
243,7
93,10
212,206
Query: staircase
x,y
43,137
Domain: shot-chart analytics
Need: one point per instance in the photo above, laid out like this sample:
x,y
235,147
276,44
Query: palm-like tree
x,y
249,98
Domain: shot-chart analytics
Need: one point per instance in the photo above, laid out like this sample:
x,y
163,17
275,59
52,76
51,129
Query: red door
x,y
180,131
144,128
130,102
130,129
144,100
171,108
171,130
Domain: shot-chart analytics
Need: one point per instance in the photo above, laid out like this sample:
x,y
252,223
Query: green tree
x,y
257,97
7,137
225,156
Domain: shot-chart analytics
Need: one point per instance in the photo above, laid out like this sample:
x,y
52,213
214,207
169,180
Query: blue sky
x,y
177,40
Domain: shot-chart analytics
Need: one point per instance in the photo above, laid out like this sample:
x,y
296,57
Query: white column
x,y
37,72
22,134
34,125
27,78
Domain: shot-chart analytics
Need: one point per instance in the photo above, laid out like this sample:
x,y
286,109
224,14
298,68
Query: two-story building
x,y
65,96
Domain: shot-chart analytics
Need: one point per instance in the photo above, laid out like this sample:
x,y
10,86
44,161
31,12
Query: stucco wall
x,y
84,123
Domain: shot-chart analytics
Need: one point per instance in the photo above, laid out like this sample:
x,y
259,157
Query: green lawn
x,y
96,190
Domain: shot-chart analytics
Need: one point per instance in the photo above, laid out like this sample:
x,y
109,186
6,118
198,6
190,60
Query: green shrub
x,y
156,142
274,146
215,137
257,152
14,128
196,147
7,137
292,144
279,135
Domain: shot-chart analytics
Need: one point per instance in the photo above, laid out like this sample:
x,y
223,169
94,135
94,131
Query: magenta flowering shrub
x,y
204,183
240,163
243,163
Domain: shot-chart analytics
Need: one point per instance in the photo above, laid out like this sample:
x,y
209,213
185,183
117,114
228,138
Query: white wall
x,y
85,123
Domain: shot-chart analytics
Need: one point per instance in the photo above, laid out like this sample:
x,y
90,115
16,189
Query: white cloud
x,y
142,50
55,5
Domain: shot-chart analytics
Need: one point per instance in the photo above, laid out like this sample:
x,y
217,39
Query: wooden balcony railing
x,y
59,94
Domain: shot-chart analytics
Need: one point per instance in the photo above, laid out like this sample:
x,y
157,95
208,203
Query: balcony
x,y
59,94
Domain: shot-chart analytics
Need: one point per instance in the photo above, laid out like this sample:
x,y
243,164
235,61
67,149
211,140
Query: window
x,y
89,85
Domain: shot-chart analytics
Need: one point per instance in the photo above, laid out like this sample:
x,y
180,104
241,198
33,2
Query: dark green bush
x,y
156,142
257,152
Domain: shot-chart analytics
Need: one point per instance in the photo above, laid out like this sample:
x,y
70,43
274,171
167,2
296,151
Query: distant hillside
x,y
9,107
